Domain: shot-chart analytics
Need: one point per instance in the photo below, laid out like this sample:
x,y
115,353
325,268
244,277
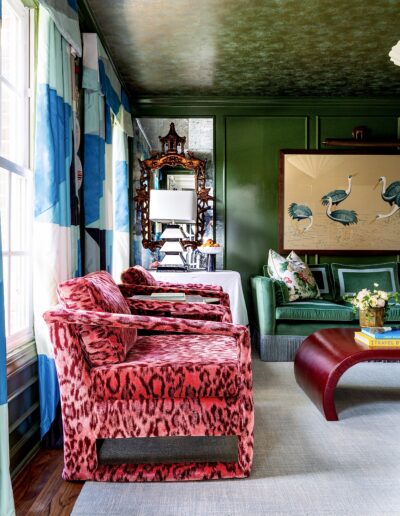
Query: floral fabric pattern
x,y
295,274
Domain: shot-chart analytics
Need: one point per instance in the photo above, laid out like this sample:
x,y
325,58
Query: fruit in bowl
x,y
210,243
210,247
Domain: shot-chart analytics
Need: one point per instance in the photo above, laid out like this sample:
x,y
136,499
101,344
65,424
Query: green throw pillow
x,y
323,277
295,274
349,279
280,288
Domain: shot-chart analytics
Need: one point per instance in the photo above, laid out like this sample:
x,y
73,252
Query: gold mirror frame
x,y
172,158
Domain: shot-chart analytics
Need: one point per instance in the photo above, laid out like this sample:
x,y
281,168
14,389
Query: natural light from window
x,y
15,175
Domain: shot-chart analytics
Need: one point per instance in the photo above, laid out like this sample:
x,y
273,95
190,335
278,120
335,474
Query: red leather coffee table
x,y
322,359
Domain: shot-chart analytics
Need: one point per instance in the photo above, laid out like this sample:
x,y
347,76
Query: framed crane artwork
x,y
339,202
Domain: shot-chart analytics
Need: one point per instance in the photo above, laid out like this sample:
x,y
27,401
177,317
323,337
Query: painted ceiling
x,y
251,48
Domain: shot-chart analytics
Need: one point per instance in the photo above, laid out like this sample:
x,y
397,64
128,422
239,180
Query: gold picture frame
x,y
339,202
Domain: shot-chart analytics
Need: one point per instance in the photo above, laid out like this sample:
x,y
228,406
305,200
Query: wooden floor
x,y
39,488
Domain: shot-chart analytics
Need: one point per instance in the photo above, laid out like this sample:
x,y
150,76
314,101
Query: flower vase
x,y
372,317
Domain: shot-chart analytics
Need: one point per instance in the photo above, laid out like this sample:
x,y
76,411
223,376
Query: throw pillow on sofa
x,y
323,276
349,279
280,288
295,274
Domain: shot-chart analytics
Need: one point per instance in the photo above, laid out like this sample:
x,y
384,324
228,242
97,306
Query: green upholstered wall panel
x,y
252,157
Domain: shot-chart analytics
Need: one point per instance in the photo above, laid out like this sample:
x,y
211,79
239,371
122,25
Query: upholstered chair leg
x,y
246,439
80,456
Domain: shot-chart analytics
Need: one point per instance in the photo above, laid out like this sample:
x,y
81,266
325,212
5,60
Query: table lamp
x,y
173,207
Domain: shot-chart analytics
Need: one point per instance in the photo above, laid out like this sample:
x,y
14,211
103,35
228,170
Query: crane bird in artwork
x,y
338,196
389,193
345,217
301,212
395,208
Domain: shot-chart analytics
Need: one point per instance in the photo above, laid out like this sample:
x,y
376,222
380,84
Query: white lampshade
x,y
394,54
178,206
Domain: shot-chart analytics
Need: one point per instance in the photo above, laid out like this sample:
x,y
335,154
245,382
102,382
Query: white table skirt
x,y
230,281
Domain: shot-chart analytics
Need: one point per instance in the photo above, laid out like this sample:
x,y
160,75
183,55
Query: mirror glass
x,y
199,141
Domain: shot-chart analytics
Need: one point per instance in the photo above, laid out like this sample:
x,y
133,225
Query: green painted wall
x,y
248,136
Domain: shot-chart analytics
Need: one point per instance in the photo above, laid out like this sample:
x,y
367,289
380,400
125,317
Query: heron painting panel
x,y
339,202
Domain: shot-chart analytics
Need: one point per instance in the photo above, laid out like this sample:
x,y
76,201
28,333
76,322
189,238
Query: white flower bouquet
x,y
368,302
366,298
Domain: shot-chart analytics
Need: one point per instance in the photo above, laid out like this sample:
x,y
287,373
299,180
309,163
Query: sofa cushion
x,y
98,292
315,310
138,275
172,366
393,313
323,276
349,279
295,273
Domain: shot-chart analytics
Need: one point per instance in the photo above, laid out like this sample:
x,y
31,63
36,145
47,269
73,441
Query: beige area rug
x,y
303,464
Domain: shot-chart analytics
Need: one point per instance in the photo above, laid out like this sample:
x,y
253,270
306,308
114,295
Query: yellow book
x,y
362,338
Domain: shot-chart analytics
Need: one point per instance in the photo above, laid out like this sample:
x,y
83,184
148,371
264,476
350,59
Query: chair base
x,y
174,472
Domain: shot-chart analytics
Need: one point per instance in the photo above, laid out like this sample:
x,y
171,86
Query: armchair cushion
x,y
172,366
138,275
98,292
315,310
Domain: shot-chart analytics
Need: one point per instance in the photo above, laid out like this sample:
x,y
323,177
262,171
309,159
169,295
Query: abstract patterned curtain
x,y
105,162
120,248
56,227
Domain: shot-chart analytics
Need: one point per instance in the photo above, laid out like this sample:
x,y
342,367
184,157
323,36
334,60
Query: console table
x,y
230,281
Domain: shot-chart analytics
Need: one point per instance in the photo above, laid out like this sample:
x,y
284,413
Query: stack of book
x,y
385,337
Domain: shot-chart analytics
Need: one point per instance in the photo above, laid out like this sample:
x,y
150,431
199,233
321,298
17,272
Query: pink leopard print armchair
x,y
193,379
137,280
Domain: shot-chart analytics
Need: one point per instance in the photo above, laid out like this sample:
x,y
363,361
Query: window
x,y
16,207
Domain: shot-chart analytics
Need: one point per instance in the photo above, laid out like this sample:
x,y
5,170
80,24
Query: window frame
x,y
25,98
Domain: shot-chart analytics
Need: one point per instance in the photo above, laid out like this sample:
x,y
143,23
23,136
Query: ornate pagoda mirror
x,y
173,187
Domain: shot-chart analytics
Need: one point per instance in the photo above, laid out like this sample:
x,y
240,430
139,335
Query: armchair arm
x,y
180,309
196,286
264,304
164,324
129,290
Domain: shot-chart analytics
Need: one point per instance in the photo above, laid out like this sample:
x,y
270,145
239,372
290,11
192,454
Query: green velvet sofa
x,y
280,326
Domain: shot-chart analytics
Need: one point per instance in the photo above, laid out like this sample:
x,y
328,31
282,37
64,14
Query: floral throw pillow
x,y
296,275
